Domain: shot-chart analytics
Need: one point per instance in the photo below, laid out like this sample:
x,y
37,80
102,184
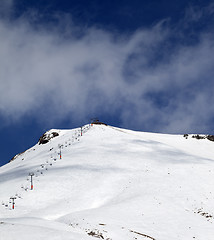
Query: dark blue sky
x,y
143,65
121,15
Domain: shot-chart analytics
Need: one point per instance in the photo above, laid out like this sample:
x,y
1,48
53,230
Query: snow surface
x,y
112,184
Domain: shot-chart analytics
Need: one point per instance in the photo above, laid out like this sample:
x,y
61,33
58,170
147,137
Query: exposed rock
x,y
17,155
198,136
210,137
186,136
46,137
144,235
96,234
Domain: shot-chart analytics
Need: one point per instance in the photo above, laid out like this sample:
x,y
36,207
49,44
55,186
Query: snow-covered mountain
x,y
112,184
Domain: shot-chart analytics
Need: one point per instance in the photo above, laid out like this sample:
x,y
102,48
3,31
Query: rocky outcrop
x,y
46,137
17,155
197,136
210,137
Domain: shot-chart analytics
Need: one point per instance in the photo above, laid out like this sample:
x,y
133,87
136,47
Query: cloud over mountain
x,y
160,77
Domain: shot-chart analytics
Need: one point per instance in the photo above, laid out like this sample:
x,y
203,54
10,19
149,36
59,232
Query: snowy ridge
x,y
38,166
112,184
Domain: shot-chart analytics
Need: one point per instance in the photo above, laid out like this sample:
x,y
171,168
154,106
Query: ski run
x,y
102,182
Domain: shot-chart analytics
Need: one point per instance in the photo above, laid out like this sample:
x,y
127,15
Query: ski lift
x,y
96,121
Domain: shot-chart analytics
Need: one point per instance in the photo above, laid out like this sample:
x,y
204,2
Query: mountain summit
x,y
109,183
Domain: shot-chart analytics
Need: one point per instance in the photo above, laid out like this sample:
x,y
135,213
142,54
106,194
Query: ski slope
x,y
111,184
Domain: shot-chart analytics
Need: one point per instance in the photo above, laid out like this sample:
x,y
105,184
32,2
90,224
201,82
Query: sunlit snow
x,y
112,184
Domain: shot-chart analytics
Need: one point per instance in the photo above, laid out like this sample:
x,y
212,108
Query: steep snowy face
x,y
109,183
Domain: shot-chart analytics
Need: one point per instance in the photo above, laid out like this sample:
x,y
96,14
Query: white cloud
x,y
149,82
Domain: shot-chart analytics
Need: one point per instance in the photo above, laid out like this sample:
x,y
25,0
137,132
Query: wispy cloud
x,y
151,79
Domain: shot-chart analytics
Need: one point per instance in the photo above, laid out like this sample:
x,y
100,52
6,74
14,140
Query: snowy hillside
x,y
111,184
